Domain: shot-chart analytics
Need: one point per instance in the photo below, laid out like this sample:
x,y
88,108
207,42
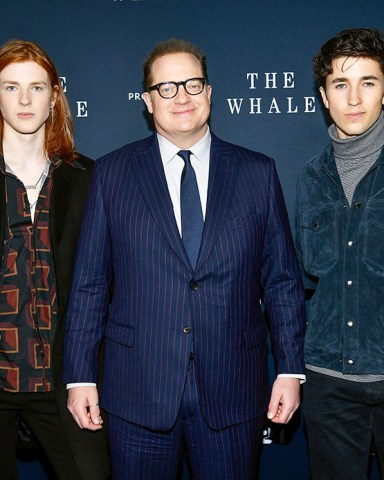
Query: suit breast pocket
x,y
245,235
319,242
236,223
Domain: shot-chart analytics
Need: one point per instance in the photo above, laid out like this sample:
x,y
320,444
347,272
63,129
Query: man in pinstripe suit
x,y
185,336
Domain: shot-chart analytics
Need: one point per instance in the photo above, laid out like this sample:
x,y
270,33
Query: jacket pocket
x,y
122,334
373,251
318,236
242,222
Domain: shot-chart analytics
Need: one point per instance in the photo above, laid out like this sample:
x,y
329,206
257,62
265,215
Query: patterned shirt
x,y
28,307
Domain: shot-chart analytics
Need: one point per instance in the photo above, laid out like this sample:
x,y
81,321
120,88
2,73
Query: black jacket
x,y
69,192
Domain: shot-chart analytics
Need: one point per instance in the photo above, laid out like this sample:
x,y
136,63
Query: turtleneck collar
x,y
366,145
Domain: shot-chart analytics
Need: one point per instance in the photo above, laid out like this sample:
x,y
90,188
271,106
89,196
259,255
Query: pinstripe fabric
x,y
228,454
130,239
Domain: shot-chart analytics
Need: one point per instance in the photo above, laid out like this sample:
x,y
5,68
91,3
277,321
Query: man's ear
x,y
148,101
55,92
209,92
324,96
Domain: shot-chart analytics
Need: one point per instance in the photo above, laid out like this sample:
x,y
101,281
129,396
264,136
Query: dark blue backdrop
x,y
264,96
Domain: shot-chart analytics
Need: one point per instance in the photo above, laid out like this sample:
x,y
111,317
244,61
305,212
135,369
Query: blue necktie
x,y
192,222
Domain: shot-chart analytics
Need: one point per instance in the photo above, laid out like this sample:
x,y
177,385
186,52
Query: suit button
x,y
191,356
194,286
187,330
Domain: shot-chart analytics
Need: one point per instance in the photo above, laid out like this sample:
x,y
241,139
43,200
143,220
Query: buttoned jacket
x,y
162,310
341,253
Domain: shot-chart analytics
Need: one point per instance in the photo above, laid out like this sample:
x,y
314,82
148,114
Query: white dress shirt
x,y
173,168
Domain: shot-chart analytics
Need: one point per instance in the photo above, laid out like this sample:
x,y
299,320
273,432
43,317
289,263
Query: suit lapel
x,y
150,175
3,214
223,172
59,205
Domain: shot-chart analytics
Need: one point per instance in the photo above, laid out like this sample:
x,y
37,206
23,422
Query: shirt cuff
x,y
80,384
301,377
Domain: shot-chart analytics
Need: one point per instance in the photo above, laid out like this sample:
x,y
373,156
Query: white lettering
x,y
234,105
82,109
270,80
289,81
274,106
134,96
255,107
290,106
252,77
63,81
309,103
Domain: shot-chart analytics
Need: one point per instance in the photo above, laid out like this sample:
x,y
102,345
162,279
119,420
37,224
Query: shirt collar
x,y
200,150
4,168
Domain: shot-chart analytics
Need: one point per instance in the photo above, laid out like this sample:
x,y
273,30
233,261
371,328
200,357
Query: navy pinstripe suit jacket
x,y
131,257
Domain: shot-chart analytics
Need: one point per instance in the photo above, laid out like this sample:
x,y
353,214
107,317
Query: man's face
x,y
183,118
354,94
25,98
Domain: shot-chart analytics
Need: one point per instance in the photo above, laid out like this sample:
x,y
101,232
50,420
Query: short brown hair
x,y
358,42
168,47
58,127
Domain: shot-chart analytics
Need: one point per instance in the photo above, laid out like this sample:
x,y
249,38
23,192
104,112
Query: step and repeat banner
x,y
264,94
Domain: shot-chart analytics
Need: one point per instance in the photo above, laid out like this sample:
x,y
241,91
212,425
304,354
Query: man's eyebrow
x,y
345,79
369,77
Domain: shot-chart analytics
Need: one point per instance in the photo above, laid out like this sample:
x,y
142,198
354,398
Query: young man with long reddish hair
x,y
43,184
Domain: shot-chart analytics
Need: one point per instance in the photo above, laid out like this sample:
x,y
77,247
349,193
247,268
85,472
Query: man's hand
x,y
285,399
83,403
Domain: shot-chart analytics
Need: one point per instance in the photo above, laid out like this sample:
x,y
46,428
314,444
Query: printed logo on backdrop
x,y
268,95
81,108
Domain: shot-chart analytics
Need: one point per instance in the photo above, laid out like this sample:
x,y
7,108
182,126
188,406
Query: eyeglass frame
x,y
183,83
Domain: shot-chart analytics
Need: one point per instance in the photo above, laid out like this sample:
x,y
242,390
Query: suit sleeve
x,y
283,295
90,292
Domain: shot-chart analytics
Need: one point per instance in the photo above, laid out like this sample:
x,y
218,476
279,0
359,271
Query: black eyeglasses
x,y
193,86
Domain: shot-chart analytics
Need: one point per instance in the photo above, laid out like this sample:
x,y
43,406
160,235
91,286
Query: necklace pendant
x,y
33,187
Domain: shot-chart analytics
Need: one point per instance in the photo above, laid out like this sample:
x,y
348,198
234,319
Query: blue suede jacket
x,y
341,253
